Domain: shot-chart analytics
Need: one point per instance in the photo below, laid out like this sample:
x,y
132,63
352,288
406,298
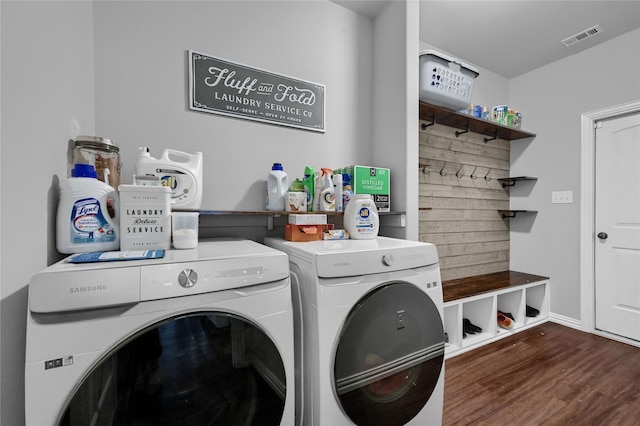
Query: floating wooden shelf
x,y
511,181
466,123
512,213
259,213
274,213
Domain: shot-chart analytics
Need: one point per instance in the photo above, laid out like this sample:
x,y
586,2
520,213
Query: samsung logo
x,y
88,289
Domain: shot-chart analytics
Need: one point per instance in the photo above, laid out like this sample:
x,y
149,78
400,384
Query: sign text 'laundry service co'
x,y
222,87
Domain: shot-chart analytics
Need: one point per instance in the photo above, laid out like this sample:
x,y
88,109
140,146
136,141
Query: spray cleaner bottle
x,y
327,196
309,184
317,190
337,189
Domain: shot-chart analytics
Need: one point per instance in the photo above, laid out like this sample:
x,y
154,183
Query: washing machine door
x,y
197,369
389,355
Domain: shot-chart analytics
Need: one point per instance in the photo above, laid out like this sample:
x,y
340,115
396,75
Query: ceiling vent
x,y
582,35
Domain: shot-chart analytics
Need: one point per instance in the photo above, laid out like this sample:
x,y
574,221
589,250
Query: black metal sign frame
x,y
219,86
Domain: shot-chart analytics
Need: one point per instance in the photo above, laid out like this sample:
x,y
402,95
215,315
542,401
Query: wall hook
x,y
458,133
486,177
473,174
461,169
490,139
433,121
444,164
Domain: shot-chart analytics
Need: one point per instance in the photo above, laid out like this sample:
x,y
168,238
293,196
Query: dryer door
x,y
389,355
197,369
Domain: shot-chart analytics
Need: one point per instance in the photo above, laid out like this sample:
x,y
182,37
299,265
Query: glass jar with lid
x,y
103,154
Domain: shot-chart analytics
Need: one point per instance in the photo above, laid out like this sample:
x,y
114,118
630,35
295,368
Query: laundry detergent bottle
x,y
87,218
180,171
361,217
277,187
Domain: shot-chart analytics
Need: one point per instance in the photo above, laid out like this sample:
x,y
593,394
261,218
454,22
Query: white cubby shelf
x,y
479,299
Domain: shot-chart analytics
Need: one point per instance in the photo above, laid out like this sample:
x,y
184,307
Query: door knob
x,y
603,235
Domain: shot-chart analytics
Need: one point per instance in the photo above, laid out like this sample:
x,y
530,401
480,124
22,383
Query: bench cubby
x,y
478,299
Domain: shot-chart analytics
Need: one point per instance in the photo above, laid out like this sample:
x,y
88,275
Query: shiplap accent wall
x,y
464,223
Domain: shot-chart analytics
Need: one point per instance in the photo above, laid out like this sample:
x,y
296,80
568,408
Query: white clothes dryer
x,y
369,331
202,336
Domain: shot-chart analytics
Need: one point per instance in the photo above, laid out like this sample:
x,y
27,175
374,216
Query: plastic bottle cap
x,y
277,166
84,170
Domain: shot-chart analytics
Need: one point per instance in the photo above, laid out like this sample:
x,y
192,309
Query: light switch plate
x,y
562,197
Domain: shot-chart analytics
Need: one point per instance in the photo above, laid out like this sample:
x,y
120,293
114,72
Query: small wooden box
x,y
305,232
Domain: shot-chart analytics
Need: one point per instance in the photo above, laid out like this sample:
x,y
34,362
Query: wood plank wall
x,y
464,223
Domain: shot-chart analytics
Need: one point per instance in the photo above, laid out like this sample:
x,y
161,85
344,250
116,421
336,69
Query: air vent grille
x,y
582,35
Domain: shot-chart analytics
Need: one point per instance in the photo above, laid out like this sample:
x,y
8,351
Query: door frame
x,y
587,214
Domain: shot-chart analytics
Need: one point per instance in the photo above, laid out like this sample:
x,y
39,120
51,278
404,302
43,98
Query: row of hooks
x,y
459,133
461,171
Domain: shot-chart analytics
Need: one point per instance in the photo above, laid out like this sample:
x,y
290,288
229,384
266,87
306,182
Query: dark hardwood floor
x,y
547,375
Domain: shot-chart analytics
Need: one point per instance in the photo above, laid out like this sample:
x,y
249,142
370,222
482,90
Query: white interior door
x,y
617,226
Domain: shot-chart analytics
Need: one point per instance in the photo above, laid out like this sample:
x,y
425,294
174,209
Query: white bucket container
x,y
445,81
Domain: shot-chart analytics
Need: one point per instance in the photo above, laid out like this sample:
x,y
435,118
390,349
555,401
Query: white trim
x,y
587,208
616,338
566,321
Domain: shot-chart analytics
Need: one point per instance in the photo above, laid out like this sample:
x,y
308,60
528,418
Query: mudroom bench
x,y
476,300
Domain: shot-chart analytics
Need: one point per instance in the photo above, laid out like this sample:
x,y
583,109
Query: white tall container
x,y
88,213
277,188
361,217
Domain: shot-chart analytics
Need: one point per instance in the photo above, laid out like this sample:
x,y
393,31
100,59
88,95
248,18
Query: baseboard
x,y
566,321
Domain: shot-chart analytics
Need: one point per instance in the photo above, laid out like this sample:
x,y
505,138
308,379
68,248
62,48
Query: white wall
x,y
395,124
47,98
552,99
141,87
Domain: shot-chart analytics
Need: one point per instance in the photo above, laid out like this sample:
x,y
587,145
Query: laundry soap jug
x,y
88,213
277,188
361,217
180,171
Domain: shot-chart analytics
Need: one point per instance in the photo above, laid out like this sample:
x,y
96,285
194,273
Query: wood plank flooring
x,y
547,375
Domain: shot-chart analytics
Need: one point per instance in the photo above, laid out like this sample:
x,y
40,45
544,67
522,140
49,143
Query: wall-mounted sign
x,y
221,87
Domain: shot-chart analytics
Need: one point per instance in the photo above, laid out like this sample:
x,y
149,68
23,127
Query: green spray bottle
x,y
309,176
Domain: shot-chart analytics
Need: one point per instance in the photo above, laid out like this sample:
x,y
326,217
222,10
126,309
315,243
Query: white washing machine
x,y
202,336
369,331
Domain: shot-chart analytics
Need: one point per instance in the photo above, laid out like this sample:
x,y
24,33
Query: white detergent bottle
x,y
180,171
277,187
361,217
88,213
327,194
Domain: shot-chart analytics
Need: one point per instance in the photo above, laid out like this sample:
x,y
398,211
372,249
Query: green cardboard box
x,y
374,181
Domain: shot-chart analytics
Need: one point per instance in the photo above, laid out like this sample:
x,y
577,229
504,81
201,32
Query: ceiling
x,y
513,37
